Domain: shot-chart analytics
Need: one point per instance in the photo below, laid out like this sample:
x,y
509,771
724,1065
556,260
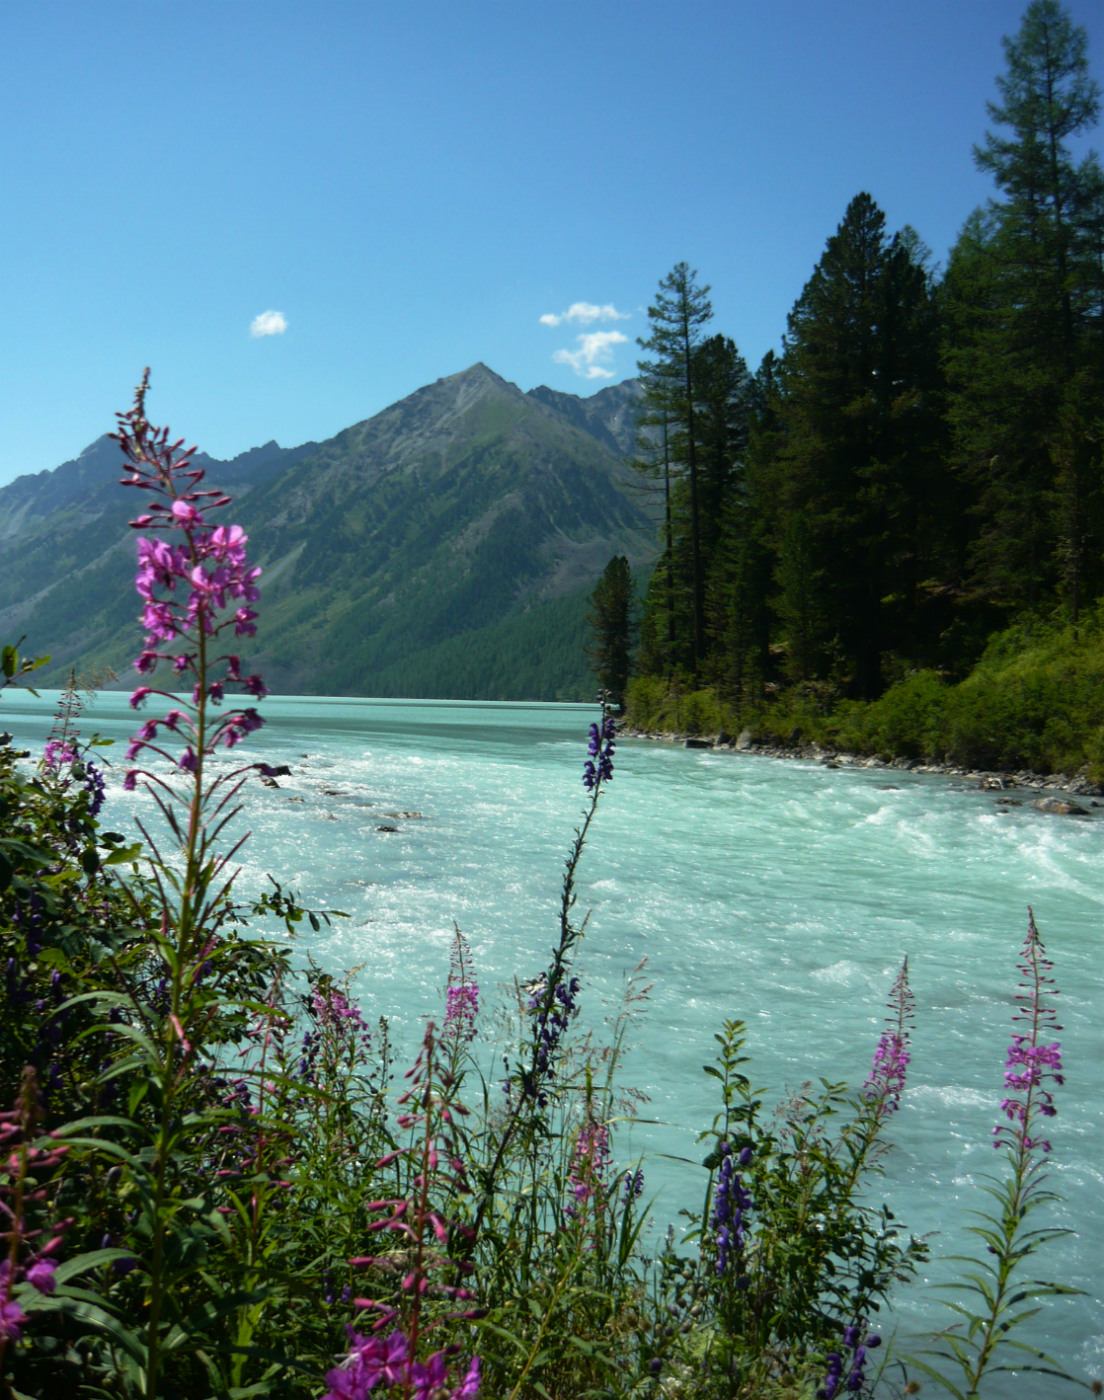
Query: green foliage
x,y
1032,702
610,621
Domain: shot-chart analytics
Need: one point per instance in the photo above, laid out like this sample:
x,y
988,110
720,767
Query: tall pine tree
x,y
610,622
1023,303
858,460
680,310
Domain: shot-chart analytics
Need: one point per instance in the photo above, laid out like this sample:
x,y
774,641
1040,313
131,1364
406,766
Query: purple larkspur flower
x,y
600,746
731,1202
633,1184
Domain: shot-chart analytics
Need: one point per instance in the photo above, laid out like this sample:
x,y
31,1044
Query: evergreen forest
x,y
891,533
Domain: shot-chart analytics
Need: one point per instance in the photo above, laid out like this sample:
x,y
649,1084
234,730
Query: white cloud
x,y
584,313
268,323
595,352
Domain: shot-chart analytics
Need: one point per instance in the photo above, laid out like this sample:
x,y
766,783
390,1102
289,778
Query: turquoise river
x,y
779,893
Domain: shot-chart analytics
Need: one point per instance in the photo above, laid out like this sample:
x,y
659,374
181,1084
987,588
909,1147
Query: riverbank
x,y
1076,785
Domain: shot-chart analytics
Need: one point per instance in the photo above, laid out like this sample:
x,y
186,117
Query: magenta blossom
x,y
1031,1065
12,1318
195,583
41,1275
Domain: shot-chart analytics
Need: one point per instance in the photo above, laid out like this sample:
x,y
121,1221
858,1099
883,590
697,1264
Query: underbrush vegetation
x,y
220,1181
1031,702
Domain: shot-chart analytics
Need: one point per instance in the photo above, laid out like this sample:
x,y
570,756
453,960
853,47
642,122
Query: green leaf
x,y
200,1318
96,1316
83,1263
124,854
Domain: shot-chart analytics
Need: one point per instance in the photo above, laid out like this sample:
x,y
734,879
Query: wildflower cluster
x,y
62,761
374,1359
856,1375
29,1262
193,590
731,1201
435,1162
339,1032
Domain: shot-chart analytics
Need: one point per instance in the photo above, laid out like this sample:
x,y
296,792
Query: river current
x,y
780,893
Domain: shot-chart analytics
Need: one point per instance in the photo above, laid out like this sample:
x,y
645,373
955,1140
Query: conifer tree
x,y
859,420
680,310
1023,302
610,622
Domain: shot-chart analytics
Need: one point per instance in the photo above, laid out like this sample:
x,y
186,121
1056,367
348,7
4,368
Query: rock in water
x,y
1059,806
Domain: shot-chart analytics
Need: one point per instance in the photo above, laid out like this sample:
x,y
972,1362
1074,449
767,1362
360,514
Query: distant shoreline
x,y
1023,780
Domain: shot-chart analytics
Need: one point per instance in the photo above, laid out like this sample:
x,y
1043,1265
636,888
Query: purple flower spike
x,y
598,768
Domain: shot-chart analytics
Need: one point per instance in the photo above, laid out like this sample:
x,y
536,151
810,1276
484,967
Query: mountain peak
x,y
480,378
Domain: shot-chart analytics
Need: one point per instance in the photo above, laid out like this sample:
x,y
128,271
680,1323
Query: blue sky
x,y
405,190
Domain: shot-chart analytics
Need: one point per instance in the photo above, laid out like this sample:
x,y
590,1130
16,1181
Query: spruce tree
x,y
680,310
859,415
610,622
1023,301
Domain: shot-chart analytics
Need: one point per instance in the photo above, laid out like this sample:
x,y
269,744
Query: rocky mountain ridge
x,y
468,520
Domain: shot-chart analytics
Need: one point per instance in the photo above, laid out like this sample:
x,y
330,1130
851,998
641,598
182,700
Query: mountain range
x,y
445,547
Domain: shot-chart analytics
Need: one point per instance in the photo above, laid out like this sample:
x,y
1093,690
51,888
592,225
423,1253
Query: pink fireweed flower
x,y
371,1358
887,1075
41,1275
462,994
12,1318
57,753
194,582
186,513
462,1007
1031,1066
886,1080
243,622
588,1162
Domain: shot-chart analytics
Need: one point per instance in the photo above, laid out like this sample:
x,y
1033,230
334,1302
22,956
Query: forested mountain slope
x,y
466,522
